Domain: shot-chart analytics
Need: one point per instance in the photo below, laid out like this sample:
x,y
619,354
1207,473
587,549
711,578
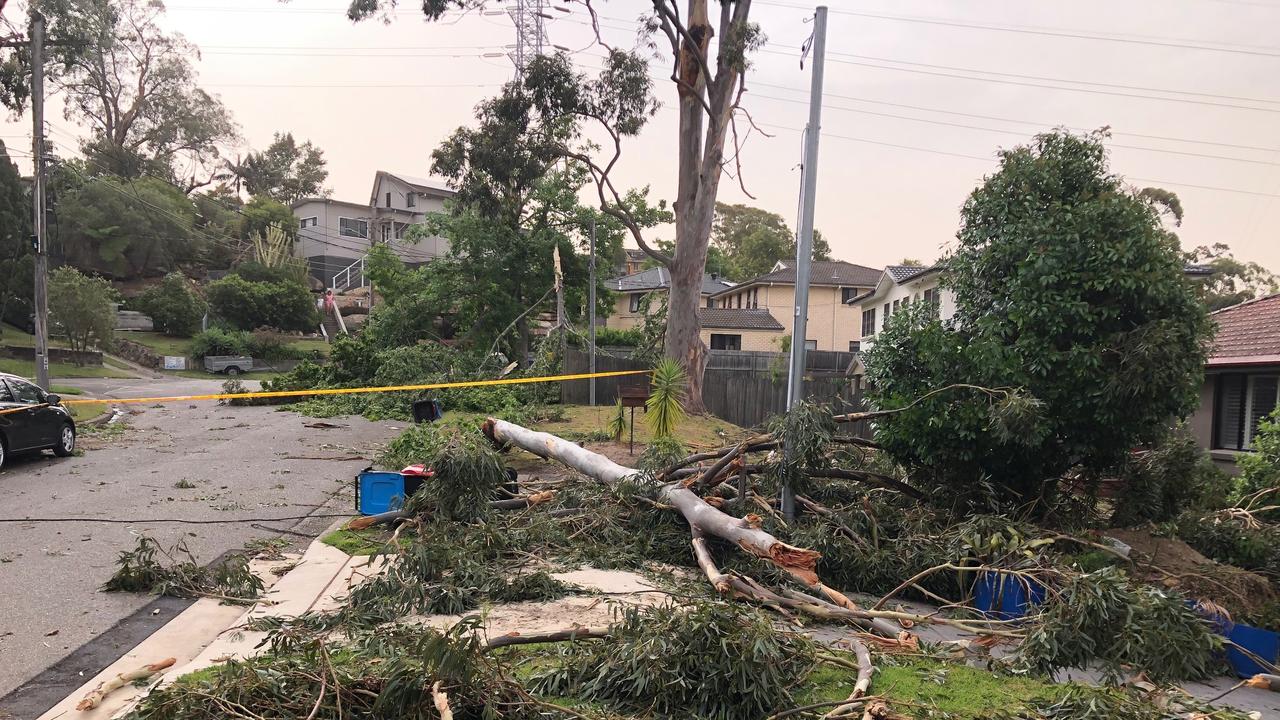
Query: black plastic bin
x,y
427,411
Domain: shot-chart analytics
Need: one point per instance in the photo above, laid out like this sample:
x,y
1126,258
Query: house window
x,y
410,200
386,232
854,346
897,304
810,345
1240,403
351,227
399,229
868,322
755,298
307,222
388,199
726,342
933,297
711,303
737,299
635,302
847,294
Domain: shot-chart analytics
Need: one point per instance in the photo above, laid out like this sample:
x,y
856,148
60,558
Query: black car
x,y
31,419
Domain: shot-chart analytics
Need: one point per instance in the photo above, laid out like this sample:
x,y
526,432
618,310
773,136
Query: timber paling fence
x,y
743,388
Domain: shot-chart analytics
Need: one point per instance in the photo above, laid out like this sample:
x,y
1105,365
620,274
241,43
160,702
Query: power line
x,y
1258,50
868,61
998,118
1185,153
989,159
1021,76
1038,85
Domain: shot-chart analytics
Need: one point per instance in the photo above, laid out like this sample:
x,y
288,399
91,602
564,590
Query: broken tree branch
x,y
98,694
863,683
568,634
441,700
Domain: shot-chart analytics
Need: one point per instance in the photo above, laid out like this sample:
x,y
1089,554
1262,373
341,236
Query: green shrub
x,y
1159,482
613,337
174,306
1229,539
711,661
246,304
80,308
220,341
1260,469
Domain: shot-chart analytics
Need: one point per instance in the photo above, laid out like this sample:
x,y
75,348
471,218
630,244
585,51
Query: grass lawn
x,y
27,369
695,430
166,345
87,411
159,342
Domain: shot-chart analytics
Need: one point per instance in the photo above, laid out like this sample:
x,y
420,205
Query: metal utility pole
x,y
591,314
37,201
804,243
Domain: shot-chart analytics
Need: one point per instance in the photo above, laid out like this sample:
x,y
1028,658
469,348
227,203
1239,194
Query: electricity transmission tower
x,y
531,36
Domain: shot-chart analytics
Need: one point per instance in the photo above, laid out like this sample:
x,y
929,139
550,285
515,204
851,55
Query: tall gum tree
x,y
710,82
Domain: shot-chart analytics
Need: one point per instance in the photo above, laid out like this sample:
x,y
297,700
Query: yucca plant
x,y
618,424
665,406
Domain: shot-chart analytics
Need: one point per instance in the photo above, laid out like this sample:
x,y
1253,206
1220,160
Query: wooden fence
x,y
745,397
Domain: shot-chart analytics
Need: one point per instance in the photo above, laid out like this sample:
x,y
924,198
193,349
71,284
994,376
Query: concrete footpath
x,y
209,632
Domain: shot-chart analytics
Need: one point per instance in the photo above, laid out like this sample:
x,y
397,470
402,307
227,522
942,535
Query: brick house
x,y
1242,379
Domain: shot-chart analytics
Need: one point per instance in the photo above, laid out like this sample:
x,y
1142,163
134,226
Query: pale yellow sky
x,y
376,96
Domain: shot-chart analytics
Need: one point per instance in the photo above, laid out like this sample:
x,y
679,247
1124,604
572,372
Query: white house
x,y
334,235
900,286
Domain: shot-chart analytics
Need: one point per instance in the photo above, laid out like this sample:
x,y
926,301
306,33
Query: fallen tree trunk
x,y
703,518
799,562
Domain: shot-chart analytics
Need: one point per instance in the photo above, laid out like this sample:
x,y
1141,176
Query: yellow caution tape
x,y
345,391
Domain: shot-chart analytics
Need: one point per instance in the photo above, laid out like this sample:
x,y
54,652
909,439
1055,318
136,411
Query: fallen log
x,y
704,520
100,693
799,562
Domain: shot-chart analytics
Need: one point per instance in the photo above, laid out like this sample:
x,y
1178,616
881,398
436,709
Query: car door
x,y
15,420
35,425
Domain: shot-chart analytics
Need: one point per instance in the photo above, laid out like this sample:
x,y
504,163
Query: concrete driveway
x,y
244,462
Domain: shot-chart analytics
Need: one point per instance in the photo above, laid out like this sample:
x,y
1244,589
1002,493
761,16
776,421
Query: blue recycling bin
x,y
379,492
1263,643
1006,597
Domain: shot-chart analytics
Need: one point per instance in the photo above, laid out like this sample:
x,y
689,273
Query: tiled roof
x,y
636,254
1195,270
1248,331
829,273
903,273
738,319
658,278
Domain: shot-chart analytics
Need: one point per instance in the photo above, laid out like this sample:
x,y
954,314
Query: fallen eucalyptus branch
x,y
98,694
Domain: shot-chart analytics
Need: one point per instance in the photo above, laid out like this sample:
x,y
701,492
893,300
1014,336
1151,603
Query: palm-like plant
x,y
665,406
618,424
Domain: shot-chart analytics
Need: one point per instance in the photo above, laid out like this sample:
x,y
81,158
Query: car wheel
x,y
66,441
4,451
233,371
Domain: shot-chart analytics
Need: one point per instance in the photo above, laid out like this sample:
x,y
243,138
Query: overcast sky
x,y
918,99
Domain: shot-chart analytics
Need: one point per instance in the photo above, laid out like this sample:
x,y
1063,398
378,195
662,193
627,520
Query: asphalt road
x,y
243,462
